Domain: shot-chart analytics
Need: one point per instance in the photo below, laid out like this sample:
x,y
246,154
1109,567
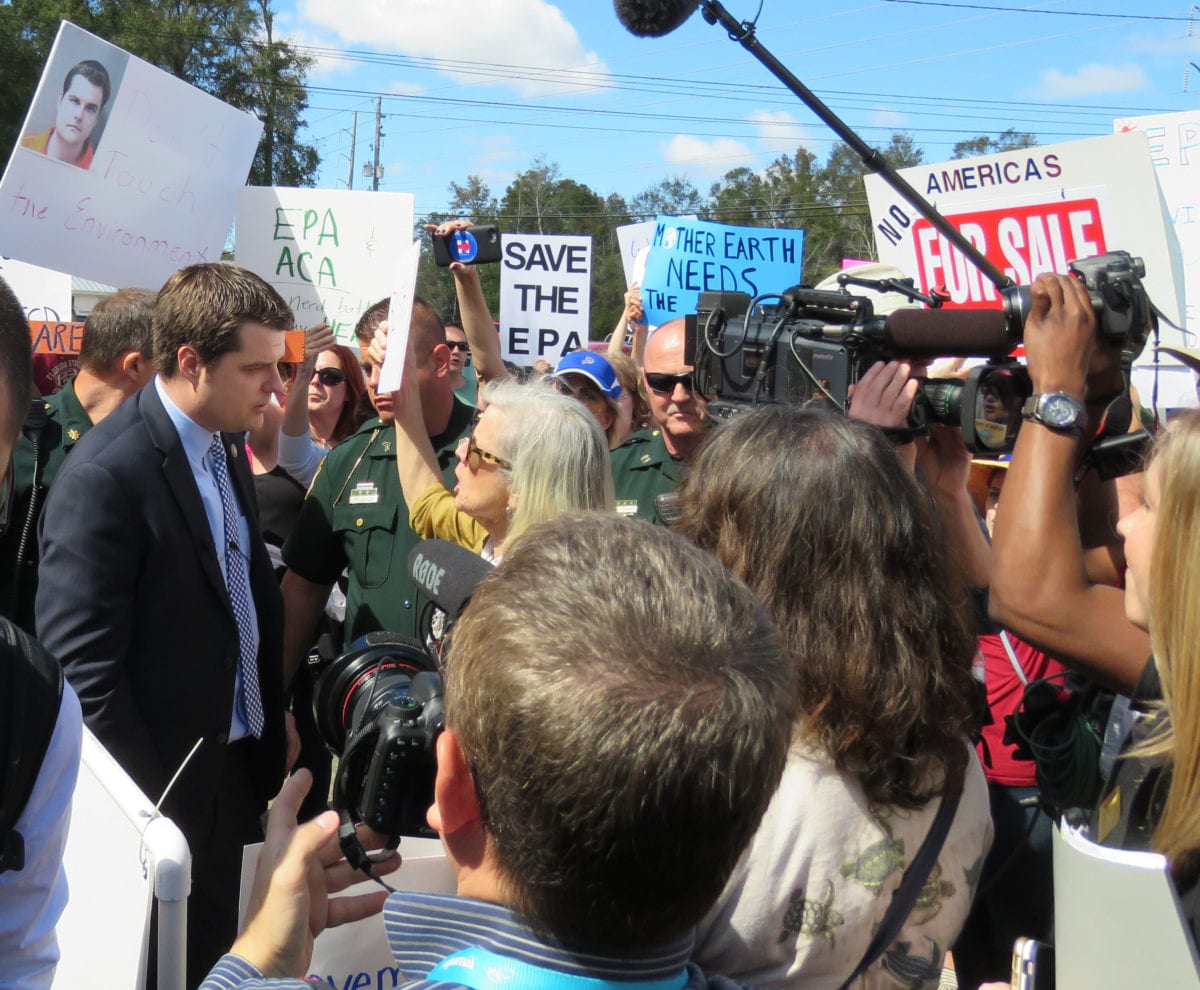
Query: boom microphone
x,y
653,18
933,333
447,574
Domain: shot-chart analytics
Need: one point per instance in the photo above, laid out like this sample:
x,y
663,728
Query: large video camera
x,y
813,344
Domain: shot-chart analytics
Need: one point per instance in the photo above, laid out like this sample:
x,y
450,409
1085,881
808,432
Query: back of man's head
x,y
116,325
204,307
16,368
625,710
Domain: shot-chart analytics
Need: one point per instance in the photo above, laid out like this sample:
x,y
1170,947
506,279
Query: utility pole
x,y
378,136
353,142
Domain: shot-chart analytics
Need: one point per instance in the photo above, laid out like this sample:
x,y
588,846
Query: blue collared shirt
x,y
196,442
423,929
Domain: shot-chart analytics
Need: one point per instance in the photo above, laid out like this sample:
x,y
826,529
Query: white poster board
x,y
154,189
1174,145
330,253
43,293
1032,211
545,296
633,238
1118,922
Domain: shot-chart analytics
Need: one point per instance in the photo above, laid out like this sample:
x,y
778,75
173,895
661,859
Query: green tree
x,y
1007,140
675,195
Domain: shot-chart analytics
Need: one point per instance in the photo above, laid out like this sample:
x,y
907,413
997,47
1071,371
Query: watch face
x,y
1059,410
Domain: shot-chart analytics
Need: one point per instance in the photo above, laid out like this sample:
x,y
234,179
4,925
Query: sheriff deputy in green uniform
x,y
354,516
114,362
652,461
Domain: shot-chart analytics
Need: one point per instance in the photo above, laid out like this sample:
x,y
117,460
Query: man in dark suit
x,y
156,591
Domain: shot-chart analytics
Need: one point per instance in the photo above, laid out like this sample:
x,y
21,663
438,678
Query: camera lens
x,y
365,681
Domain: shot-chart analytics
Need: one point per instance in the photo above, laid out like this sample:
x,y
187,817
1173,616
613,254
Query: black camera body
x,y
813,345
380,709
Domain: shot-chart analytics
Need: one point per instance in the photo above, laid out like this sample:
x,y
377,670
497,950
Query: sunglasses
x,y
476,454
459,345
330,376
661,382
584,393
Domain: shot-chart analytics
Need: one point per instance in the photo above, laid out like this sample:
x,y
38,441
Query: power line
x,y
1039,10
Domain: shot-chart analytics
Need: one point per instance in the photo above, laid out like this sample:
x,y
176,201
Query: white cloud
x,y
402,88
700,157
779,131
1092,79
531,33
892,119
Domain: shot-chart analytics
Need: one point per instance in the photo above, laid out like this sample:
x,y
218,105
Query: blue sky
x,y
487,86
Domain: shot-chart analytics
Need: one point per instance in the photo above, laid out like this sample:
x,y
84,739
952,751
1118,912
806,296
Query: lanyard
x,y
480,969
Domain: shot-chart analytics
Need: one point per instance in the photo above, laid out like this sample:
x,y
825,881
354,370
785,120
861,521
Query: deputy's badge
x,y
73,435
364,493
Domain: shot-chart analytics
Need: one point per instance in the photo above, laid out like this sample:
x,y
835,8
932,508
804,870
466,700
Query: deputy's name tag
x,y
364,493
627,507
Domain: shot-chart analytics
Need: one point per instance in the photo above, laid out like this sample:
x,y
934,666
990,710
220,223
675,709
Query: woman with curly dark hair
x,y
817,514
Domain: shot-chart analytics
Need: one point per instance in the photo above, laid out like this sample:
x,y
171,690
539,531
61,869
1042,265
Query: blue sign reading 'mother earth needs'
x,y
688,257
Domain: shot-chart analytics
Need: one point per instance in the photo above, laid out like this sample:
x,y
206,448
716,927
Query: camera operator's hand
x,y
884,395
300,866
1060,335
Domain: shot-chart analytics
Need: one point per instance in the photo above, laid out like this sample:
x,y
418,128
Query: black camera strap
x,y
911,883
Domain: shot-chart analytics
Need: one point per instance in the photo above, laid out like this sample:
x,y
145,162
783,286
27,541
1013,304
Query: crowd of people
x,y
711,719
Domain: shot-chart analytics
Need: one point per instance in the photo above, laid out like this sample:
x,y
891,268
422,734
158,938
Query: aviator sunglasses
x,y
661,382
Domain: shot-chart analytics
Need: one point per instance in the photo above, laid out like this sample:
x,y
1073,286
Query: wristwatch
x,y
1056,411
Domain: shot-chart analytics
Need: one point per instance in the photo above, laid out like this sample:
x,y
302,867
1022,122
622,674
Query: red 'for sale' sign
x,y
1022,241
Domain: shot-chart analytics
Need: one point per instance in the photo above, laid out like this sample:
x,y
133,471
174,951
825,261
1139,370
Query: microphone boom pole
x,y
743,33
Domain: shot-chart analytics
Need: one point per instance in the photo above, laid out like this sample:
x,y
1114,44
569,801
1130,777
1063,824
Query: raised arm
x,y
1040,588
416,462
476,318
632,317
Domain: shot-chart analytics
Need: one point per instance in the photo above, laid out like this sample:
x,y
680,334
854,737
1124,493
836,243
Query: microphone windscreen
x,y
653,18
932,333
446,573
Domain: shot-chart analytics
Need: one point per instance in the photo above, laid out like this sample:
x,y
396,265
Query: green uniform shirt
x,y
642,469
66,423
355,518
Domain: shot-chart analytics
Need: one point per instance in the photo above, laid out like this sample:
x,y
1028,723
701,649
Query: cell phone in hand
x,y
1032,965
477,245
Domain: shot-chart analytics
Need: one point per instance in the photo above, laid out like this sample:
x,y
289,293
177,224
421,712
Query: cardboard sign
x,y
330,253
43,293
141,187
688,257
55,338
545,295
1031,211
404,290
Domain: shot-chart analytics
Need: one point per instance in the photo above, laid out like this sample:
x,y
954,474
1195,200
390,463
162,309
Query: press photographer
x,y
567,864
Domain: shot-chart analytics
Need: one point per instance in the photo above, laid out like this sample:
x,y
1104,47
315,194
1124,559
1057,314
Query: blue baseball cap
x,y
592,366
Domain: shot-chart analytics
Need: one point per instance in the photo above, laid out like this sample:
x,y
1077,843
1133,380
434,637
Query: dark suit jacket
x,y
132,601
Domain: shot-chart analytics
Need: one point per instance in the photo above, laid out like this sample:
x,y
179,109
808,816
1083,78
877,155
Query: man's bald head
x,y
677,409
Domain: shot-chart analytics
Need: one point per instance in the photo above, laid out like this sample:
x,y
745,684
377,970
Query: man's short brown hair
x,y
625,709
204,306
425,326
116,325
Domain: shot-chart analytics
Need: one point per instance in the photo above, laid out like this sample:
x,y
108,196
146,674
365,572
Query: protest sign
x,y
142,185
43,293
1031,211
631,239
330,253
1174,145
404,289
688,257
545,295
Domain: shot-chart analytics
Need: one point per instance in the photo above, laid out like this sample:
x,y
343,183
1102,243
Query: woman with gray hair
x,y
533,455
